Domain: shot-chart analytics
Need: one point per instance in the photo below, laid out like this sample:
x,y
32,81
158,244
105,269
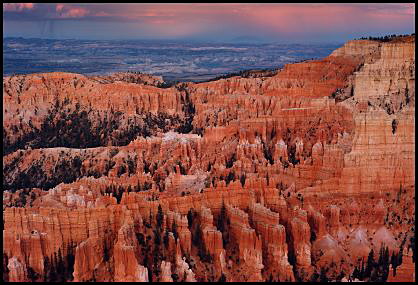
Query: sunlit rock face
x,y
300,176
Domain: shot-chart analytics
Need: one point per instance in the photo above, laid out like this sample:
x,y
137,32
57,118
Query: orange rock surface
x,y
292,177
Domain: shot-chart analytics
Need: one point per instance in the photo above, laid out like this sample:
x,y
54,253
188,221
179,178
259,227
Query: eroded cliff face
x,y
292,177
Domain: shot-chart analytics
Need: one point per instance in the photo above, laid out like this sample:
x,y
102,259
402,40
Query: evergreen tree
x,y
175,232
5,268
197,238
242,179
370,264
151,217
222,218
47,267
356,273
394,262
157,238
363,270
160,218
166,238
221,224
400,256
52,272
230,177
60,266
175,277
70,261
32,274
190,217
323,275
106,252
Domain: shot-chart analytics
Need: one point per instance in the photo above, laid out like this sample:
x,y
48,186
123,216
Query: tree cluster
x,y
56,267
386,38
378,270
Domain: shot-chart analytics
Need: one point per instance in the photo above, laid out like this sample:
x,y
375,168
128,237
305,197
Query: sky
x,y
234,22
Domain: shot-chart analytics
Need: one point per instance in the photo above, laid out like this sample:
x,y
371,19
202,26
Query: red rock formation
x,y
185,236
247,240
266,223
212,238
166,272
17,271
405,272
315,165
127,267
300,233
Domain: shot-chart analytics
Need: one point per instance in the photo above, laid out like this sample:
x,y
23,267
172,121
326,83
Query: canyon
x,y
307,174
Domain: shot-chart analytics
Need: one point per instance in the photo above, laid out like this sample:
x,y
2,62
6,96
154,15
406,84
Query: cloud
x,y
59,7
46,12
17,7
221,21
276,14
70,12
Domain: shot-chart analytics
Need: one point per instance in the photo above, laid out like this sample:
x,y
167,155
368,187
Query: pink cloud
x,y
233,19
17,7
59,7
75,13
102,14
66,11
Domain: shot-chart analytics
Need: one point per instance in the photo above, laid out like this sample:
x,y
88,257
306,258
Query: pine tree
x,y
32,274
5,268
400,256
52,272
106,252
356,273
363,270
138,187
166,238
370,264
60,267
381,256
222,218
222,278
70,261
197,240
242,179
160,218
323,276
221,224
190,217
47,267
394,262
385,274
151,217
175,232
